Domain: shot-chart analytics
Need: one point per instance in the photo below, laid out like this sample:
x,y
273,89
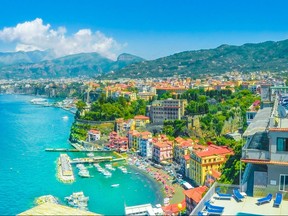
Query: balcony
x,y
257,148
255,154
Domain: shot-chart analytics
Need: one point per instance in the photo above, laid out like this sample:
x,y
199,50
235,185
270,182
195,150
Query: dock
x,y
74,150
65,172
95,160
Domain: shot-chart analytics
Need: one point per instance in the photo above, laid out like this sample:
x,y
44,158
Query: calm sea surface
x,y
27,171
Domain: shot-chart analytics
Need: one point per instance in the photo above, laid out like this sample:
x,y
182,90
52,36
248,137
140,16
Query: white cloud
x,y
34,35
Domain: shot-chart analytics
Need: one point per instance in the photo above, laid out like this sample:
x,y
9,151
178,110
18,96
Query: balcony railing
x,y
255,154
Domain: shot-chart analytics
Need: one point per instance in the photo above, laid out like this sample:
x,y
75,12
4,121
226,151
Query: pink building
x,y
162,151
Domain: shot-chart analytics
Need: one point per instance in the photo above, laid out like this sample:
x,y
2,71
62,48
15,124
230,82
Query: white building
x,y
93,135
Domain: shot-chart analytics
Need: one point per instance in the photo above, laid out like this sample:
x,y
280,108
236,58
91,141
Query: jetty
x,y
73,150
95,159
65,172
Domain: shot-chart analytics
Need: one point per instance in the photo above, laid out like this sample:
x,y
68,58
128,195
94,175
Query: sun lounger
x,y
214,211
210,206
222,195
278,199
238,195
265,199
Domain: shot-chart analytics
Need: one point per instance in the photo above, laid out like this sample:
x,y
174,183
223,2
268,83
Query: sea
x,y
28,172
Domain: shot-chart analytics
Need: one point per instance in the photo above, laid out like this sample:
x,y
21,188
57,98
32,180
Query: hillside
x,y
10,58
266,56
84,64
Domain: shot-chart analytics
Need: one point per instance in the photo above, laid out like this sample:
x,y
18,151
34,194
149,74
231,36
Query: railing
x,y
224,188
255,154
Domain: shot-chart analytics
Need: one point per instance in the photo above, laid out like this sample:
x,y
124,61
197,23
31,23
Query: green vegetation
x,y
175,128
231,169
107,109
79,131
267,56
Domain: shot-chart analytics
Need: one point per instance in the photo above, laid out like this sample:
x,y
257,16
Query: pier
x,y
74,150
65,172
95,160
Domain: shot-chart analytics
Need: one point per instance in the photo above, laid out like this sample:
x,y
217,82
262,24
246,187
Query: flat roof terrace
x,y
249,206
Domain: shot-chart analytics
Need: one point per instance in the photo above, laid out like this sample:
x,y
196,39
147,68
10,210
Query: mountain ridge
x,y
249,57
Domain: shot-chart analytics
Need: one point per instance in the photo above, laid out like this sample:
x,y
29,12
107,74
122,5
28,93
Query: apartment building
x,y
266,152
170,109
205,159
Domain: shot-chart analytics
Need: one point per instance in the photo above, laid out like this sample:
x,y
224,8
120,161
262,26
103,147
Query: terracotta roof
x,y
173,208
94,131
162,144
255,161
142,117
215,174
279,129
186,157
213,150
196,194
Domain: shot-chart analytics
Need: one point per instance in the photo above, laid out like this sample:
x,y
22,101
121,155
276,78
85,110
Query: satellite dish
x,y
281,111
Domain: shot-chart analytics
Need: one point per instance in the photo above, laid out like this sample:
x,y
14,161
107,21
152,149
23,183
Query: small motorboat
x,y
115,185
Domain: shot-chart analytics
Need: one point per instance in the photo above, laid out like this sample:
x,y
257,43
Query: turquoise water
x,y
247,214
27,171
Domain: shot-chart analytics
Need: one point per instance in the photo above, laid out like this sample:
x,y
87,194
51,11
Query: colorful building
x,y
193,197
118,143
162,151
204,160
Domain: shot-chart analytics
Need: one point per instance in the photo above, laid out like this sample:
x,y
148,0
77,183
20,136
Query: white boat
x,y
115,185
77,200
90,154
65,117
84,173
107,173
123,169
109,166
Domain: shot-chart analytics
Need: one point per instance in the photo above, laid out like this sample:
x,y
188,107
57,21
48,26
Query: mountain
x,y
266,56
10,58
83,64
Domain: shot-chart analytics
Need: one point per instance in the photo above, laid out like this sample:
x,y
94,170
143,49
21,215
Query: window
x,y
282,144
283,182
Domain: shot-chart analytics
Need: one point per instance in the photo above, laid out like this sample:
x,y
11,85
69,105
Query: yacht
x,y
84,173
77,200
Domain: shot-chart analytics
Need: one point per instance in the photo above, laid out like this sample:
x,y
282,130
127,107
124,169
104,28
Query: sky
x,y
147,28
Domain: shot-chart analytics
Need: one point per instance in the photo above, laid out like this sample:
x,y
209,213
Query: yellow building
x,y
204,160
141,121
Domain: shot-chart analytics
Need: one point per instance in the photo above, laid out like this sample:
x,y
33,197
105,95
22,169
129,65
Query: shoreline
x,y
173,192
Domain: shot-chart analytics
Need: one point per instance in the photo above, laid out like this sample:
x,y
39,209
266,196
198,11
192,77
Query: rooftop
x,y
259,123
196,194
249,206
213,150
55,209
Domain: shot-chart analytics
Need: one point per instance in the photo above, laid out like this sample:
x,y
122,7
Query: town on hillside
x,y
217,142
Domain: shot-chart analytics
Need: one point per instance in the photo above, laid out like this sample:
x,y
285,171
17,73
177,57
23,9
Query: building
x,y
170,109
122,126
204,160
145,209
162,151
49,208
93,135
252,111
118,143
146,146
140,121
266,153
193,197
